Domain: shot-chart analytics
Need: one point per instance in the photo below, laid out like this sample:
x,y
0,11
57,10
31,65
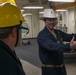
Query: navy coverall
x,y
9,63
51,50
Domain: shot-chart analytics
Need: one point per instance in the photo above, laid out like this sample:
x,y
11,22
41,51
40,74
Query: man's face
x,y
50,23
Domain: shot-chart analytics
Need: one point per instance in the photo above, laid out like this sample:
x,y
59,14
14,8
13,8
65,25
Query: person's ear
x,y
14,32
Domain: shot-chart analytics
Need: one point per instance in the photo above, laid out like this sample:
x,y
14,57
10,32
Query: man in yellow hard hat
x,y
11,21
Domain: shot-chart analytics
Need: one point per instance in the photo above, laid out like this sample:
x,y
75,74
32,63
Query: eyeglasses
x,y
51,19
23,29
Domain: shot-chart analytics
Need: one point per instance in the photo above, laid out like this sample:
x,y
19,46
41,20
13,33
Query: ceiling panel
x,y
22,3
44,3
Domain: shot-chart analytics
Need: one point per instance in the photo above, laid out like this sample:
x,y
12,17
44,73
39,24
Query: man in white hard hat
x,y
11,20
51,46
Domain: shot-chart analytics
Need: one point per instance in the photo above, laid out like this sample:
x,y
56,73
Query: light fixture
x,y
62,0
27,14
22,10
33,7
41,12
61,10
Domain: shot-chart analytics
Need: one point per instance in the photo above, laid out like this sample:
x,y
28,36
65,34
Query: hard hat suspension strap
x,y
17,38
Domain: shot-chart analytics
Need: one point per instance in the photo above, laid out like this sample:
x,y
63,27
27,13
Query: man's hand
x,y
73,44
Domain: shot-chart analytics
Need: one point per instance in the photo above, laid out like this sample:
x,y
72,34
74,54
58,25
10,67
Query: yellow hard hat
x,y
10,15
13,1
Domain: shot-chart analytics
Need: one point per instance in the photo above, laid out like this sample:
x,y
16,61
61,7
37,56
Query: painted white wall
x,y
29,20
65,19
41,23
75,19
71,20
35,23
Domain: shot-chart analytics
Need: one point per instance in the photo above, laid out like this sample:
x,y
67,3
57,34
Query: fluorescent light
x,y
62,0
61,10
33,7
27,14
41,12
22,10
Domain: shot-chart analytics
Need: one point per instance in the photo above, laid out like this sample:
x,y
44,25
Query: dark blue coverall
x,y
9,62
51,51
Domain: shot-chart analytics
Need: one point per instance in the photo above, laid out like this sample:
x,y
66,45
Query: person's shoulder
x,y
42,34
42,31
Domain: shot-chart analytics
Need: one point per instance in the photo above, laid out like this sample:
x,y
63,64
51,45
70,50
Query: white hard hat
x,y
48,13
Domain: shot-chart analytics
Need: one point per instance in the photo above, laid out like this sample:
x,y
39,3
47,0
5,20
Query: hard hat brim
x,y
42,18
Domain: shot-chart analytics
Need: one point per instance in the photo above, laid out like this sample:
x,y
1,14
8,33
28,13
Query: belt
x,y
52,65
